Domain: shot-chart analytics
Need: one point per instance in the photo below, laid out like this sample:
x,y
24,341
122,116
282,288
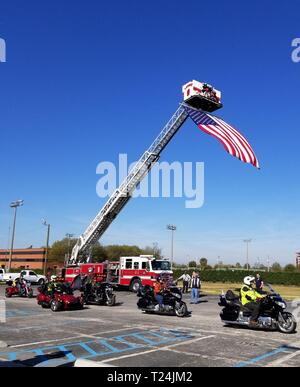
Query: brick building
x,y
31,258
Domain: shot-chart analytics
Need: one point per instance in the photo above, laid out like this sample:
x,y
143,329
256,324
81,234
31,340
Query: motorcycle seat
x,y
232,298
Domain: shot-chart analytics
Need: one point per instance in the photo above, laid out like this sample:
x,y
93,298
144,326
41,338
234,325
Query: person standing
x,y
195,284
259,283
186,279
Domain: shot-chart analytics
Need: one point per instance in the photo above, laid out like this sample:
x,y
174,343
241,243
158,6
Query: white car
x,y
28,275
2,272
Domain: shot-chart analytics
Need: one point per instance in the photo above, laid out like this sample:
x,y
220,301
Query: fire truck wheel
x,y
135,285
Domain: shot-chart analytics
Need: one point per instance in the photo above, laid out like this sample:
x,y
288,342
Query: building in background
x,y
30,258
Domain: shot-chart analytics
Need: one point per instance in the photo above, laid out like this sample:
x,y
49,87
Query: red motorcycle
x,y
19,289
62,298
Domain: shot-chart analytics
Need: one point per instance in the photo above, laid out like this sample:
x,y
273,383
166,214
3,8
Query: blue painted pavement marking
x,y
66,352
264,356
24,312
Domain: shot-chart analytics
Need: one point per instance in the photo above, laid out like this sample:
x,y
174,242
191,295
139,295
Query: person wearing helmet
x,y
158,289
52,286
250,298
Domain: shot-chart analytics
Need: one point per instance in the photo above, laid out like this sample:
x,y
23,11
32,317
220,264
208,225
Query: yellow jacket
x,y
249,295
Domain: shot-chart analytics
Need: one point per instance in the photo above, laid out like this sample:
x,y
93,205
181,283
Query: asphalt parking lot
x,y
124,336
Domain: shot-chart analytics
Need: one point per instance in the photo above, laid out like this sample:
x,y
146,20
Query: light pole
x,y
247,241
155,248
172,228
69,236
268,263
47,244
14,205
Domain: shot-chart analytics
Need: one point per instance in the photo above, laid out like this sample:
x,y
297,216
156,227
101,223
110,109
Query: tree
x,y
60,249
276,267
155,251
114,252
203,263
99,253
238,265
192,264
290,268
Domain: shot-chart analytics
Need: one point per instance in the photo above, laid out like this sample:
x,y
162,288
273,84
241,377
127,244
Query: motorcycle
x,y
172,301
272,316
23,289
62,298
100,294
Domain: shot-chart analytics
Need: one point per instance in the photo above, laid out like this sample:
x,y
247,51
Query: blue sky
x,y
87,80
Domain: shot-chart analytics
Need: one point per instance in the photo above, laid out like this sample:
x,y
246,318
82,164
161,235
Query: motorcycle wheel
x,y
182,310
112,301
30,294
7,294
289,325
55,306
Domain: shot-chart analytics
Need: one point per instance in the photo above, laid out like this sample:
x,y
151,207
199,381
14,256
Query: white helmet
x,y
248,280
53,277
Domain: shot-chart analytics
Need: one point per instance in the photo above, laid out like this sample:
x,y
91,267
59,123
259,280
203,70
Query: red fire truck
x,y
131,272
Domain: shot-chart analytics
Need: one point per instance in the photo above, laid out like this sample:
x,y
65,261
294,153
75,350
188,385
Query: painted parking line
x,y
70,352
283,349
22,312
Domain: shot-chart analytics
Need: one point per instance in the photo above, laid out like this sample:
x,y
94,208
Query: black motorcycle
x,y
272,316
172,301
99,293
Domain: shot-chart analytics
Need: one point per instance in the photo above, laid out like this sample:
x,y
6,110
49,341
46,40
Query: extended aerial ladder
x,y
123,193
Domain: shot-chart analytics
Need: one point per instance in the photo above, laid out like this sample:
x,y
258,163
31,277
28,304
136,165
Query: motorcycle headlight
x,y
281,304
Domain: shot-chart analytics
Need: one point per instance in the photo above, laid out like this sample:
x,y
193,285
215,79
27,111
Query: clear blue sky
x,y
87,80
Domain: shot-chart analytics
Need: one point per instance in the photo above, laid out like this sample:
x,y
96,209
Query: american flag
x,y
233,141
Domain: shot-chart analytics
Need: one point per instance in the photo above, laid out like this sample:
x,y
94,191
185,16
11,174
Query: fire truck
x,y
130,272
134,271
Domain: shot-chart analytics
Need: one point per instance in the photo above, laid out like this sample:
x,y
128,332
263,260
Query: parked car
x,y
28,275
2,272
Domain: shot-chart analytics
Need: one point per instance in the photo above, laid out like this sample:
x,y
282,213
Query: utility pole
x,y
14,205
268,263
47,244
155,249
69,236
172,228
247,241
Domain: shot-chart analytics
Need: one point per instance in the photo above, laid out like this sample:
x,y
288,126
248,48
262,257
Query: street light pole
x,y
47,245
172,228
69,236
13,205
247,241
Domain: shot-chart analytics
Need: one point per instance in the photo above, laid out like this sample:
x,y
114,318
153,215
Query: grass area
x,y
215,288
